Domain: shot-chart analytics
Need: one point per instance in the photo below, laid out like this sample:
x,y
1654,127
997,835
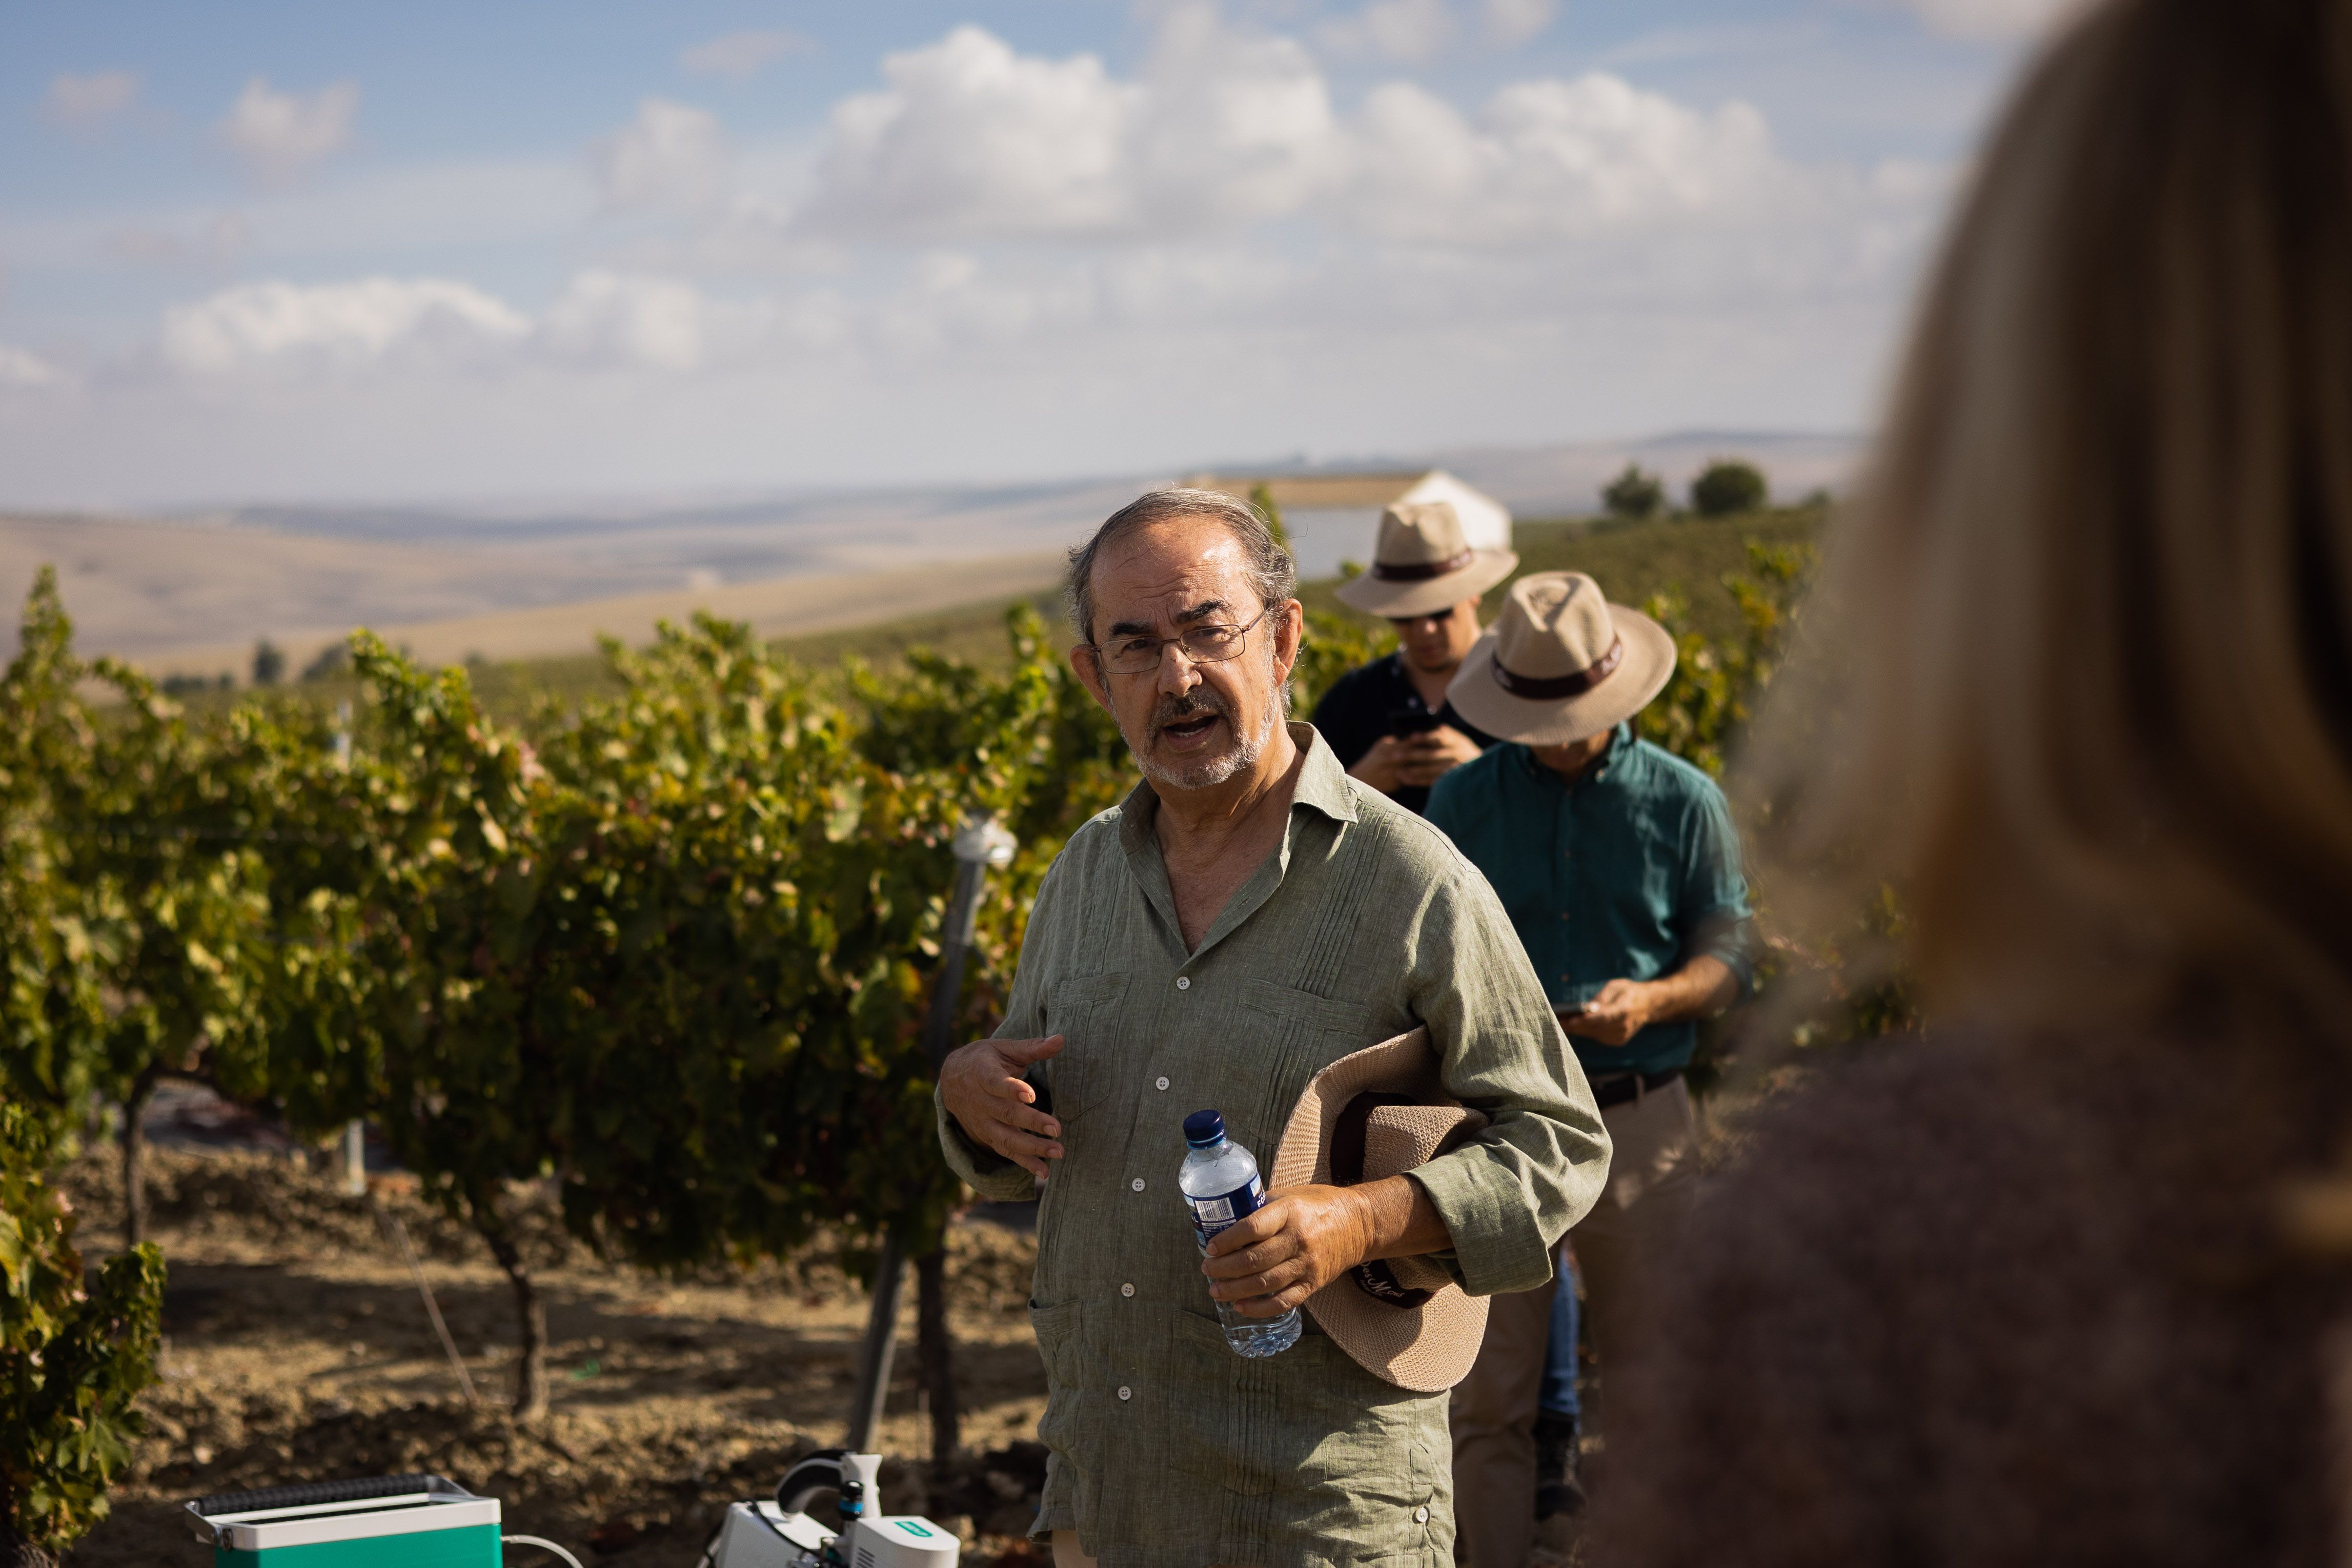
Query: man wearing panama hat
x,y
1389,722
1619,868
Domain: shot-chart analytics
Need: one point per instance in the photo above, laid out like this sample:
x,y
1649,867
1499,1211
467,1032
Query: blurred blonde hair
x,y
2078,678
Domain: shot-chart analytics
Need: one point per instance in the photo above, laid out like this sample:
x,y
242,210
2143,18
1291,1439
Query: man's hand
x,y
1619,1011
1304,1237
1414,761
982,1086
1623,1008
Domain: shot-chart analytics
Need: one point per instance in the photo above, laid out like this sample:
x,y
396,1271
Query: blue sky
x,y
290,252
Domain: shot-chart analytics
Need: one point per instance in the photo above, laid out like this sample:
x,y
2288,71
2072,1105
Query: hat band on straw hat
x,y
1420,571
1546,688
1375,1278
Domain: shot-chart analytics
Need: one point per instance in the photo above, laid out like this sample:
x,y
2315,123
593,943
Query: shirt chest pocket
x,y
1298,1034
1085,1010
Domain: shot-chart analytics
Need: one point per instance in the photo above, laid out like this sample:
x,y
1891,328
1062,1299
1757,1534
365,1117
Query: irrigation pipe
x,y
416,1272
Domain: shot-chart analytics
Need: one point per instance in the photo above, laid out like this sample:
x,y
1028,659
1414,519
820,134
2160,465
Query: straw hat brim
x,y
1649,664
1397,601
1427,1348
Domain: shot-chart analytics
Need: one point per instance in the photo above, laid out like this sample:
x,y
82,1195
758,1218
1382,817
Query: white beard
x,y
1208,772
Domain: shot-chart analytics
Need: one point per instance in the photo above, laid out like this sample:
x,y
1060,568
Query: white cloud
x,y
603,318
970,138
744,55
372,321
279,134
671,154
1408,30
1555,158
1514,22
1221,129
1991,21
20,368
86,102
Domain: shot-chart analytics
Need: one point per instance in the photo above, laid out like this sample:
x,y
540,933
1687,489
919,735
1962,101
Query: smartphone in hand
x,y
1408,723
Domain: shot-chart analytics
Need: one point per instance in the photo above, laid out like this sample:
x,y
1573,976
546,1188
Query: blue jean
x,y
1555,1395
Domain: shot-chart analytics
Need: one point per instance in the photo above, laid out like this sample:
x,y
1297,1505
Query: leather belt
x,y
1620,1087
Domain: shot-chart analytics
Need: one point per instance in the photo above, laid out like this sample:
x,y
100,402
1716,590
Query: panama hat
x,y
1560,664
1378,1113
1423,563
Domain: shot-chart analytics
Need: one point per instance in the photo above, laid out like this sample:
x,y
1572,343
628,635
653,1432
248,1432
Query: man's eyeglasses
x,y
1435,618
1140,655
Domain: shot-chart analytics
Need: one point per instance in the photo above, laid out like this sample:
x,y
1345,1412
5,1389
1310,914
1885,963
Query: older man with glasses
x,y
1389,722
1247,916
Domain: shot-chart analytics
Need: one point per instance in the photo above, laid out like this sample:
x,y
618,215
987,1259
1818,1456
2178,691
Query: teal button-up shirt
x,y
1629,872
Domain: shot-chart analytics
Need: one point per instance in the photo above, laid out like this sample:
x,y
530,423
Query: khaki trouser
x,y
1652,1176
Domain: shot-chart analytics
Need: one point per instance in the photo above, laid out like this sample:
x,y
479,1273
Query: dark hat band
x,y
1375,1278
1421,571
1548,688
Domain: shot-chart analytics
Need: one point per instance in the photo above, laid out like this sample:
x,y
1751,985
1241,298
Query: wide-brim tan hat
x,y
1560,664
1422,563
1377,1113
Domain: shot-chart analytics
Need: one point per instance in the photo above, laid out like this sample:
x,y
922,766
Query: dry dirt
x,y
297,1348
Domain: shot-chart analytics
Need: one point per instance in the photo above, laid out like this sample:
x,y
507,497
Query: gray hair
x,y
1273,575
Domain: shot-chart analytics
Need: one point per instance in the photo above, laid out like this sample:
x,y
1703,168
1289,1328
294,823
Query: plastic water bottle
x,y
1220,1183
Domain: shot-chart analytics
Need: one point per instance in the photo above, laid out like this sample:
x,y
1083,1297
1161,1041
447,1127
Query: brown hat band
x,y
1420,571
1375,1278
1546,688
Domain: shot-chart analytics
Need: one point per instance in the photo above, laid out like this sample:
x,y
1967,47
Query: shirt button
x,y
1183,982
1163,1083
1420,1515
1126,1393
1137,1183
1127,1289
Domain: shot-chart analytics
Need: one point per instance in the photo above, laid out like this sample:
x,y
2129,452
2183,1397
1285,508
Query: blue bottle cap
x,y
1204,1129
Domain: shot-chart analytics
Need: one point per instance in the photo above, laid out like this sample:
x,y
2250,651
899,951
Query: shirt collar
x,y
1619,752
1322,787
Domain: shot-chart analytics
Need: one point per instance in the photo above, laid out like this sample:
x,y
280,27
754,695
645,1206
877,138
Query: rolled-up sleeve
x,y
1714,892
1509,1195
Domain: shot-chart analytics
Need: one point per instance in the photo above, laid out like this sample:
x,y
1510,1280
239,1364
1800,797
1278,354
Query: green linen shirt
x,y
1167,1449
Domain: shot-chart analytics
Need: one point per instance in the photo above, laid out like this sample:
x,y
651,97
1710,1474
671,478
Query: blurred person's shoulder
x,y
1980,1289
1907,1137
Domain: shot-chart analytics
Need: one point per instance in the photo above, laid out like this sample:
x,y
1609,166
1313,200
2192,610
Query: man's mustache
x,y
1190,706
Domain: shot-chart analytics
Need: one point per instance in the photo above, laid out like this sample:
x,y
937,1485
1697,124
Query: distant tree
x,y
1636,492
268,664
1726,487
334,660
1262,497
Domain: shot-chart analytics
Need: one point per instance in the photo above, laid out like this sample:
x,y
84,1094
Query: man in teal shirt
x,y
1618,864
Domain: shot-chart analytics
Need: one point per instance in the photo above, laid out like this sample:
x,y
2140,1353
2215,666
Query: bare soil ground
x,y
297,1348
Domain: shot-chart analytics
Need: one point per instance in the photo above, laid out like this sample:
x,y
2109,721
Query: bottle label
x,y
1211,1214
